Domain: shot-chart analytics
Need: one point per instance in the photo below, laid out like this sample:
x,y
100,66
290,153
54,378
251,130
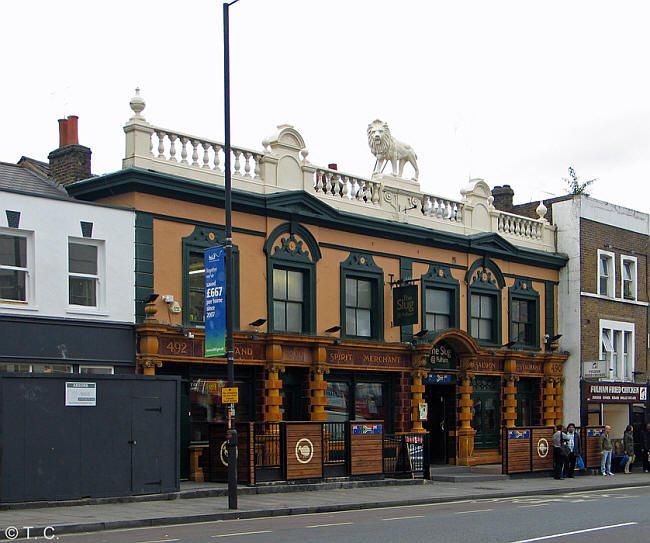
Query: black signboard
x,y
442,356
405,305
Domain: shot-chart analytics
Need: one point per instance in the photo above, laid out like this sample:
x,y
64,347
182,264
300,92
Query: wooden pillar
x,y
510,401
465,433
417,389
509,392
548,403
318,385
148,332
559,403
273,383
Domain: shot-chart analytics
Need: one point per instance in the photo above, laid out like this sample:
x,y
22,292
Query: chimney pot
x,y
73,136
63,132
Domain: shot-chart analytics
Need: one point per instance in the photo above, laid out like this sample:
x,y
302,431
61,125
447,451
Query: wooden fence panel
x,y
304,454
366,447
542,445
591,446
517,450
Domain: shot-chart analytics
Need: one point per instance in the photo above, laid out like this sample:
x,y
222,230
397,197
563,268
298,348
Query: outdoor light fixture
x,y
151,298
332,329
508,345
257,322
421,333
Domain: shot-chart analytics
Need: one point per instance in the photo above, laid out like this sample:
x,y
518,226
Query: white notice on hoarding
x,y
594,369
81,394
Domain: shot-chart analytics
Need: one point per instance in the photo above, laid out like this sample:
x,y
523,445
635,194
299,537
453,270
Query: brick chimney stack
x,y
71,161
503,198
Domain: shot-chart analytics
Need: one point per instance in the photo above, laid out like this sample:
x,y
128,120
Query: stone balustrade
x,y
283,166
189,150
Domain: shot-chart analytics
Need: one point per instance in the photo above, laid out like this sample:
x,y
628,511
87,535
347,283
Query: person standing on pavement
x,y
646,448
559,452
628,447
606,452
575,449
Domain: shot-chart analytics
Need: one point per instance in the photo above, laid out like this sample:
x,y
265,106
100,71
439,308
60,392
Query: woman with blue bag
x,y
575,448
628,447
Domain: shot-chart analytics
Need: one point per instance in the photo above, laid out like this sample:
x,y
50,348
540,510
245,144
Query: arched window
x,y
291,256
484,283
362,298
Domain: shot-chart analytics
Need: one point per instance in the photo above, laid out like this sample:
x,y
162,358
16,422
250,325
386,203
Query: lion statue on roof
x,y
386,148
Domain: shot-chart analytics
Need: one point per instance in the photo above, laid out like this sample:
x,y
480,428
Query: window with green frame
x,y
485,283
523,303
440,299
362,298
194,275
292,253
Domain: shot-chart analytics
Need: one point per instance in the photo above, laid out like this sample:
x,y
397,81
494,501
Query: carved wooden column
x,y
548,403
318,385
559,403
273,384
147,356
510,392
417,389
465,434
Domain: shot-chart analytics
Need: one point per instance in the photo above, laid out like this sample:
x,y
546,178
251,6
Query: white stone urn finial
x,y
303,153
137,104
541,209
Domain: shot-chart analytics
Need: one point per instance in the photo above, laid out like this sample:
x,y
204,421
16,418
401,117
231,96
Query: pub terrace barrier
x,y
528,449
292,451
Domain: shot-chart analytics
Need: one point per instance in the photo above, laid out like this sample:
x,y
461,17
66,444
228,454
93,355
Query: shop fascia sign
x,y
616,393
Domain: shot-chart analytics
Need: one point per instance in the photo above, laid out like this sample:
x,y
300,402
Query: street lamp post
x,y
231,444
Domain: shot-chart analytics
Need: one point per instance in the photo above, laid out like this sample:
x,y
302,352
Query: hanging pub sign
x,y
215,301
405,305
616,392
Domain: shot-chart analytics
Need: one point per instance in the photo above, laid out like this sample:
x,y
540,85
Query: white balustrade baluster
x,y
375,193
258,169
172,147
217,150
237,154
161,143
184,141
206,157
247,164
336,180
195,152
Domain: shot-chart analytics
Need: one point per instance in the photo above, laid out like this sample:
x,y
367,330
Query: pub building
x,y
318,256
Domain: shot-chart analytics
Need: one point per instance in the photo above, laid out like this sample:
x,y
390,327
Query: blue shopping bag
x,y
580,463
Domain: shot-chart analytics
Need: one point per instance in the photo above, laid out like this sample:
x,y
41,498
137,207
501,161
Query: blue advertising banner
x,y
215,302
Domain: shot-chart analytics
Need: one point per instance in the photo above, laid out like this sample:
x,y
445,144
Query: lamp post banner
x,y
215,302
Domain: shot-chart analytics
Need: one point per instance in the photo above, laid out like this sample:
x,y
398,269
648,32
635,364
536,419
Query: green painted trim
x,y
185,220
197,241
406,272
440,277
528,278
347,249
362,266
486,264
295,258
523,290
549,308
144,265
308,209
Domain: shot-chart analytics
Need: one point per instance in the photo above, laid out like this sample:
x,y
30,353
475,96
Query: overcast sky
x,y
512,92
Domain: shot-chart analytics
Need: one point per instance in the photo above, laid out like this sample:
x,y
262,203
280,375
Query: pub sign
x,y
405,305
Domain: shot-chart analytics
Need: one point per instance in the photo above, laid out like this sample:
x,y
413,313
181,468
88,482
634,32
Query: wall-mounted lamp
x,y
151,298
257,323
508,345
549,342
421,333
333,330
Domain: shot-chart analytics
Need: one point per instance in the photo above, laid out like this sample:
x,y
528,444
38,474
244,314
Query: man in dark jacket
x,y
646,448
575,448
559,456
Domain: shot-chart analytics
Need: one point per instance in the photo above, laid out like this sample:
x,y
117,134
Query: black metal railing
x,y
268,451
335,449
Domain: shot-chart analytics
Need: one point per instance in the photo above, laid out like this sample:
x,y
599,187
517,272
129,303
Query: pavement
x,y
198,502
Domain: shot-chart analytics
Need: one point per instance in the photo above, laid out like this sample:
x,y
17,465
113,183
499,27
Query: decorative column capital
x,y
274,367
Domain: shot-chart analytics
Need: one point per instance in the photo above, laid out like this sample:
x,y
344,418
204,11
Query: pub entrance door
x,y
487,411
441,420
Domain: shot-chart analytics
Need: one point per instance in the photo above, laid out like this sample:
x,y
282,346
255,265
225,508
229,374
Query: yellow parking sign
x,y
230,395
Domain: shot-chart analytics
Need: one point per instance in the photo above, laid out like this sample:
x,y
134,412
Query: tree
x,y
575,186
